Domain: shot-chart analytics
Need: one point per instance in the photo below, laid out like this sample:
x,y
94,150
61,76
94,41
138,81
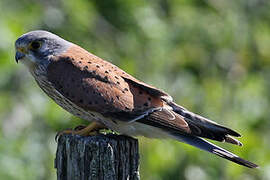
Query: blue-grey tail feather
x,y
207,146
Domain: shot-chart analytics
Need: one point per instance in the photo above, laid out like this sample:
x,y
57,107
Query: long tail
x,y
203,127
207,146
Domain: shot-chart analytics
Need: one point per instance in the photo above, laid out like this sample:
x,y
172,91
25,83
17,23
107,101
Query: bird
x,y
105,95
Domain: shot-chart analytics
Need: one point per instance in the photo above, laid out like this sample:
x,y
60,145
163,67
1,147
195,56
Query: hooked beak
x,y
19,55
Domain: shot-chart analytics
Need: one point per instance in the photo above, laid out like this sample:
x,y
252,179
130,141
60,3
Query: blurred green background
x,y
212,56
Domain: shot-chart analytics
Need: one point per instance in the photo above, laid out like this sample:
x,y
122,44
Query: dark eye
x,y
35,45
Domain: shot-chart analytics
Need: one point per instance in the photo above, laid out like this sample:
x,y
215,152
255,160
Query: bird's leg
x,y
90,130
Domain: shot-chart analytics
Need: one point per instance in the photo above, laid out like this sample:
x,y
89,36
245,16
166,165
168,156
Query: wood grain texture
x,y
112,157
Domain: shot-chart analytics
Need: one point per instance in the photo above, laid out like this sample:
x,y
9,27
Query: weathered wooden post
x,y
112,157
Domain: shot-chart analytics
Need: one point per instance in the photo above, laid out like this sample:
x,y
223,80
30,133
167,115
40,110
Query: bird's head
x,y
38,47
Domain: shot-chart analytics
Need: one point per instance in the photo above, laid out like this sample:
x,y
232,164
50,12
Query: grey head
x,y
37,47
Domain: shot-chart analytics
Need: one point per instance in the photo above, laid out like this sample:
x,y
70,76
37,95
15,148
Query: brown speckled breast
x,y
40,76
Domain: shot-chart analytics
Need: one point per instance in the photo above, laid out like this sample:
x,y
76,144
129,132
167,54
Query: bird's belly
x,y
74,109
134,128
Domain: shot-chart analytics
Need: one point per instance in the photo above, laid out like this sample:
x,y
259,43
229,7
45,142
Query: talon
x,y
60,133
80,127
90,130
93,133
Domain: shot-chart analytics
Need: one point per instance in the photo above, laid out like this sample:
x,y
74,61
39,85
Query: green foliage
x,y
212,56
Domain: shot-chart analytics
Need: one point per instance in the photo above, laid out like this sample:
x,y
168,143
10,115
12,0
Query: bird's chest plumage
x,y
65,103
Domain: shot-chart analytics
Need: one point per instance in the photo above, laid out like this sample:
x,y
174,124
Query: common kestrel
x,y
98,91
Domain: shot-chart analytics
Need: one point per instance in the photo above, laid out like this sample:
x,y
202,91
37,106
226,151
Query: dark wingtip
x,y
246,163
234,158
229,131
234,133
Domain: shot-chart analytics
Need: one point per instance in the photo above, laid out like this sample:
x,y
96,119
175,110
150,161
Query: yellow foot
x,y
90,130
